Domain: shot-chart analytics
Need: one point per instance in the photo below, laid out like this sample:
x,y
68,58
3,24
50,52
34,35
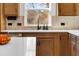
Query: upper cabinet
x,y
10,9
77,9
0,10
0,15
66,9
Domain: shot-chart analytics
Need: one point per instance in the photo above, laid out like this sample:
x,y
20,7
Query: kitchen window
x,y
37,13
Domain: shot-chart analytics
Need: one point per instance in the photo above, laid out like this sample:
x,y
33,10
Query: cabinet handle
x,y
60,37
38,43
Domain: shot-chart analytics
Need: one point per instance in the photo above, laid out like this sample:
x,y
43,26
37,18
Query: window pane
x,y
37,5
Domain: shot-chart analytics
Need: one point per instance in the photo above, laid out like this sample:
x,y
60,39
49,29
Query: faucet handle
x,y
38,27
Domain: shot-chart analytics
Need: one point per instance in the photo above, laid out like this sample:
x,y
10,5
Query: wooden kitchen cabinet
x,y
55,44
0,16
44,47
65,44
10,9
0,11
47,45
66,9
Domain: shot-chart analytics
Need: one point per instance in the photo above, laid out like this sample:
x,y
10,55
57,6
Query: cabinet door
x,y
0,10
44,47
10,9
48,44
65,44
66,9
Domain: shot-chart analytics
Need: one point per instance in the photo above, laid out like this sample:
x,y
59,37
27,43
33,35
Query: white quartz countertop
x,y
75,32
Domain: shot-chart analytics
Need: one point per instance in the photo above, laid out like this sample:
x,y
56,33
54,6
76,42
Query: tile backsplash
x,y
15,24
70,22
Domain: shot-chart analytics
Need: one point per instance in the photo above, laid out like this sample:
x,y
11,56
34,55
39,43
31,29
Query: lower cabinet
x,y
55,44
44,46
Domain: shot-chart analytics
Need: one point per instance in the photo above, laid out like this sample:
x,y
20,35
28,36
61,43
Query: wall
x,y
15,25
21,9
53,9
71,22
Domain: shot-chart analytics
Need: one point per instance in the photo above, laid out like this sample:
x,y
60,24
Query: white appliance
x,y
19,46
30,46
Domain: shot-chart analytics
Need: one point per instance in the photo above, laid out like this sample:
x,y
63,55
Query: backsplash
x,y
58,23
61,23
15,24
70,22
